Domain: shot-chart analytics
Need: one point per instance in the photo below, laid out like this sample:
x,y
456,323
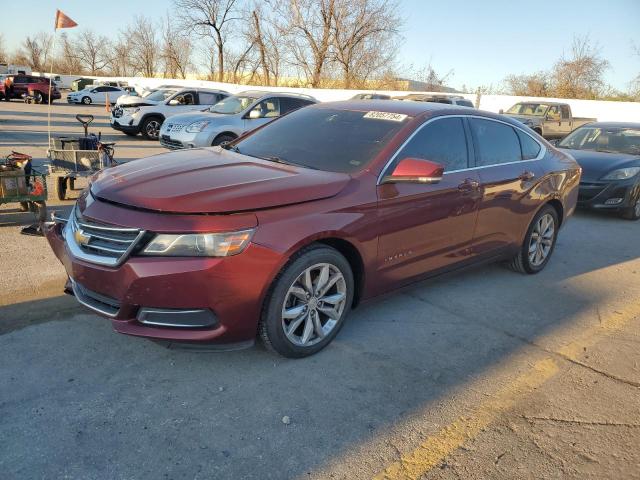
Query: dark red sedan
x,y
280,233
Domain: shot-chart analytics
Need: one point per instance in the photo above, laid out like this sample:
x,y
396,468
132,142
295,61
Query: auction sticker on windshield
x,y
393,117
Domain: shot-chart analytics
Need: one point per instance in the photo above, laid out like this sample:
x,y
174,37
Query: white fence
x,y
602,110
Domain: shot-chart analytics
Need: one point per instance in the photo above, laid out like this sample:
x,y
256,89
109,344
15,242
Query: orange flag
x,y
62,21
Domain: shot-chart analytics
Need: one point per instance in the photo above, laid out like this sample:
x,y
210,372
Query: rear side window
x,y
496,142
208,98
564,110
289,104
442,141
530,148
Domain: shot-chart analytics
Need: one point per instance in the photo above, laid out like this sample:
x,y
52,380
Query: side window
x,y
102,89
268,108
185,99
112,89
564,110
207,98
553,113
442,141
530,148
289,104
495,142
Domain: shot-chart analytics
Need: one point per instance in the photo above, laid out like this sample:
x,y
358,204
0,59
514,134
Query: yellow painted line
x,y
437,447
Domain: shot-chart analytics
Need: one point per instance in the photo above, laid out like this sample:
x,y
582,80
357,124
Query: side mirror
x,y
501,111
174,102
415,170
255,113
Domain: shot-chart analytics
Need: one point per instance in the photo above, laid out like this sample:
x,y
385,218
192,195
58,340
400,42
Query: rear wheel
x,y
39,97
86,100
223,139
151,128
308,303
539,242
633,212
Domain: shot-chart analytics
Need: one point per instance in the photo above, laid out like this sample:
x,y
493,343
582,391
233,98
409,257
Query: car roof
x,y
613,124
414,109
264,93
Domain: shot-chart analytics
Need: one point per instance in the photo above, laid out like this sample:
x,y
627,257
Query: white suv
x,y
147,119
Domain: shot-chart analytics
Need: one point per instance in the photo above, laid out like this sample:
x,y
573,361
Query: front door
x,y
427,227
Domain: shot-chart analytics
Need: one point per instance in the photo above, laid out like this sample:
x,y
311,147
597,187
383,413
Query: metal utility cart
x,y
20,183
77,157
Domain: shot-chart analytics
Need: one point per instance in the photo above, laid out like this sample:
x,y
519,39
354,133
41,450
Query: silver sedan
x,y
228,119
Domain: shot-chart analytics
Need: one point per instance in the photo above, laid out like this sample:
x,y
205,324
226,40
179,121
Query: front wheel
x,y
222,140
539,242
151,128
633,212
86,100
308,303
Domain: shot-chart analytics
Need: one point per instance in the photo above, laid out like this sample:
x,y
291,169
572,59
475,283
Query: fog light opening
x,y
614,201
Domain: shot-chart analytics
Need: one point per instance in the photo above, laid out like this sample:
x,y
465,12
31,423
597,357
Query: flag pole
x,y
51,54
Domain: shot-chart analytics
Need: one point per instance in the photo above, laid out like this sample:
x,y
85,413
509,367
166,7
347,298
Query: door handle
x,y
527,175
468,185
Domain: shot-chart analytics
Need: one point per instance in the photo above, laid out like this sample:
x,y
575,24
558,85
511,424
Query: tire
x,y
24,206
633,212
310,319
86,100
38,97
523,262
151,128
223,139
61,188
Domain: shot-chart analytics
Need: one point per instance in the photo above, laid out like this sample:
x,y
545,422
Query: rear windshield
x,y
324,138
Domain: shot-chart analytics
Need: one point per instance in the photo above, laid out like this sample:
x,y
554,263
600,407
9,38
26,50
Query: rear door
x,y
98,94
553,123
425,227
506,161
565,120
209,98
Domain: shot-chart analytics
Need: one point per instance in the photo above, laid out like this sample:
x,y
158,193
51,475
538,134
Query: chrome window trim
x,y
541,154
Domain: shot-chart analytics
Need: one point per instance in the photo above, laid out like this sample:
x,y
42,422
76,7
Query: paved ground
x,y
483,374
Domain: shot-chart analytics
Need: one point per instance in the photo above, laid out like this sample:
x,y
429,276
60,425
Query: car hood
x,y
526,119
196,116
596,165
133,101
212,180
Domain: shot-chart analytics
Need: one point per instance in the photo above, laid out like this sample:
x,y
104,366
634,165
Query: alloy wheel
x,y
153,129
314,304
542,238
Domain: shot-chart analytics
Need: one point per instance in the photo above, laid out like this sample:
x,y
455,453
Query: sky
x,y
480,41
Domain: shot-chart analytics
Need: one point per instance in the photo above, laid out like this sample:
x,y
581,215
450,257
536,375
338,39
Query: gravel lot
x,y
482,374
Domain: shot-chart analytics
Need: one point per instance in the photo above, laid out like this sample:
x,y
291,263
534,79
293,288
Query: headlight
x,y
199,244
130,110
622,173
197,127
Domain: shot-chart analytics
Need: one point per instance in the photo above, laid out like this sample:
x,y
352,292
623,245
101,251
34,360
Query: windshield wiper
x,y
277,159
233,148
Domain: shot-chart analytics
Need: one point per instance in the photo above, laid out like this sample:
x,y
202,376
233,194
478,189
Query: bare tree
x,y
529,85
144,46
92,51
177,51
68,61
580,74
4,58
121,65
308,27
212,19
364,37
36,49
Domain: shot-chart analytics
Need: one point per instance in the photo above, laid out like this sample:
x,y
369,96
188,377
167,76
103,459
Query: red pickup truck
x,y
15,86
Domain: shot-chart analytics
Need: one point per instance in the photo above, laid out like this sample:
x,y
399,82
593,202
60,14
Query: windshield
x,y
324,139
160,95
231,105
604,139
535,109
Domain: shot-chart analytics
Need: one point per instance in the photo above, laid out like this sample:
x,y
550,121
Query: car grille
x,y
174,127
95,301
167,142
589,190
117,112
99,242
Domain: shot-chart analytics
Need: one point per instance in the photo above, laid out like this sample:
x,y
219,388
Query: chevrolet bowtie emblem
x,y
81,238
